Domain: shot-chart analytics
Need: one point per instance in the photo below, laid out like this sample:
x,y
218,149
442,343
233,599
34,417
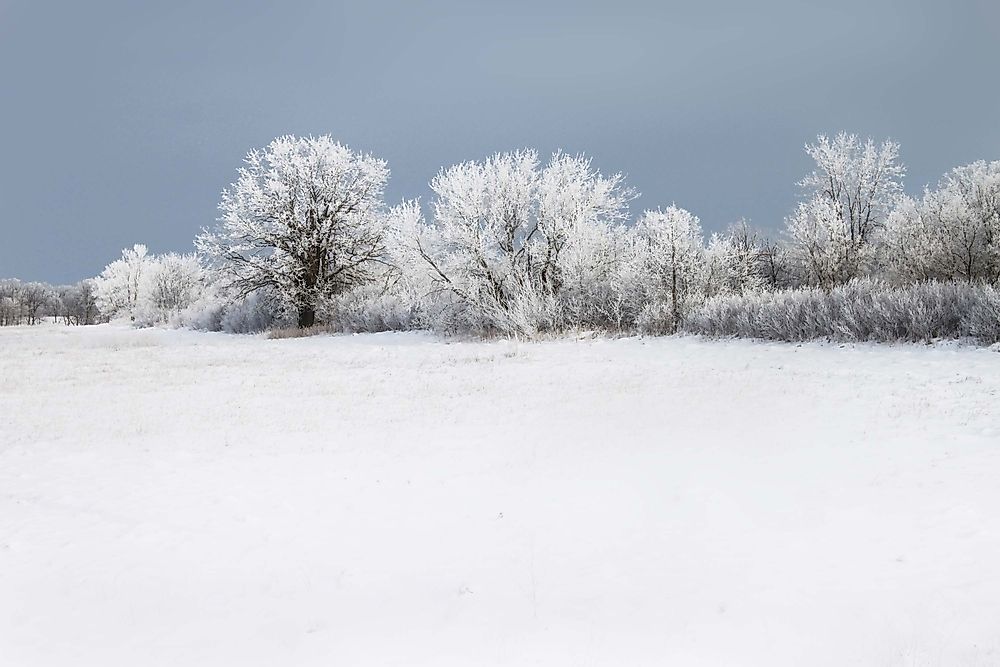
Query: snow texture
x,y
182,498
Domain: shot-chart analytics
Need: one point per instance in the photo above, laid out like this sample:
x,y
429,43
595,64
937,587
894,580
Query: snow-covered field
x,y
179,498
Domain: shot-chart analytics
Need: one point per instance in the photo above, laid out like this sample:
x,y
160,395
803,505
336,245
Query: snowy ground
x,y
176,498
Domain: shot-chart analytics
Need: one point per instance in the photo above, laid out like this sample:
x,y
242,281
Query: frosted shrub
x,y
982,319
862,310
373,308
527,311
205,314
148,289
256,313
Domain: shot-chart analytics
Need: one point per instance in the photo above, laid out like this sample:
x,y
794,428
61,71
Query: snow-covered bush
x,y
205,314
259,311
212,311
862,310
148,289
982,318
374,308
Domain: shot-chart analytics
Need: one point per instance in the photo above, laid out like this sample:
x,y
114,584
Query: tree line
x,y
32,302
518,244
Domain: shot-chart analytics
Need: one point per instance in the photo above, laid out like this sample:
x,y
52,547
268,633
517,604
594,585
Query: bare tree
x,y
34,297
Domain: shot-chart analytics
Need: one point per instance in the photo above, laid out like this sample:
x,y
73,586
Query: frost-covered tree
x,y
148,289
735,261
35,297
951,233
775,264
577,209
10,302
304,219
118,287
673,250
24,303
172,282
513,242
77,304
821,247
833,234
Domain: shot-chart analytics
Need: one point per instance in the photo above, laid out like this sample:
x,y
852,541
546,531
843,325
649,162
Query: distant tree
x,y
118,287
833,233
35,297
951,233
673,250
821,246
172,282
77,304
304,219
85,310
735,261
10,302
775,266
24,303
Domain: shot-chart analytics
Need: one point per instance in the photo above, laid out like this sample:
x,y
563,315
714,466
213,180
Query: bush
x,y
372,309
861,310
982,320
258,312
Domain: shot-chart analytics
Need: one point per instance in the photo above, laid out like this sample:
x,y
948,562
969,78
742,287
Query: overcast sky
x,y
121,122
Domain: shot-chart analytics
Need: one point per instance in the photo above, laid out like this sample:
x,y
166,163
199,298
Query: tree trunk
x,y
307,317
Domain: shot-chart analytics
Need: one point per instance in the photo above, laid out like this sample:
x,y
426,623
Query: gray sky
x,y
120,122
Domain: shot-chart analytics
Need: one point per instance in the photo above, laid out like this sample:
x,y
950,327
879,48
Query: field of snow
x,y
180,498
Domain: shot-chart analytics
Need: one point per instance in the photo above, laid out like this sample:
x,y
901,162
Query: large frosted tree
x,y
514,240
304,219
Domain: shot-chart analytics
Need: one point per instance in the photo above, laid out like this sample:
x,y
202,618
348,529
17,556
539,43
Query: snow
x,y
182,498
